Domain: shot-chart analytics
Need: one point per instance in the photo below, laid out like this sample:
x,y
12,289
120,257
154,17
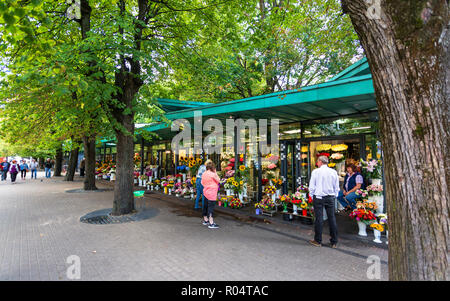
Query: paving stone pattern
x,y
40,228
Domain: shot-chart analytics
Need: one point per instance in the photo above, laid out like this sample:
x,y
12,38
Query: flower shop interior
x,y
338,119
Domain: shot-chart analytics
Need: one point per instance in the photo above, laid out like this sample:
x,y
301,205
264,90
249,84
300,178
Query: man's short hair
x,y
323,159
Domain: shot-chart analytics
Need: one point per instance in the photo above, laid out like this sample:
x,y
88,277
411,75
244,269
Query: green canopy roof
x,y
350,92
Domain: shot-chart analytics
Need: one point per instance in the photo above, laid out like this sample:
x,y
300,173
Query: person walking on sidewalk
x,y
23,169
210,181
14,170
4,168
82,167
199,186
48,168
324,188
33,167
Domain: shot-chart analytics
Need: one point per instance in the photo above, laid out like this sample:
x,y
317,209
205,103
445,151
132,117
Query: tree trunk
x,y
123,187
406,43
58,164
89,155
41,163
72,166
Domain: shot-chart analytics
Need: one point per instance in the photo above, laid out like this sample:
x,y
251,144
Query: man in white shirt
x,y
324,188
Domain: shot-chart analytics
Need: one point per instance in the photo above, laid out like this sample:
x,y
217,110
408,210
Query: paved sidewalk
x,y
40,229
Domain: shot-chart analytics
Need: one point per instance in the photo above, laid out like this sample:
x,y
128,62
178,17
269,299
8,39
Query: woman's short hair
x,y
210,165
352,166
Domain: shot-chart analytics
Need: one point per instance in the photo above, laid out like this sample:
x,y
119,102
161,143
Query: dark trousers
x,y
82,172
327,203
199,187
4,174
208,208
23,173
13,177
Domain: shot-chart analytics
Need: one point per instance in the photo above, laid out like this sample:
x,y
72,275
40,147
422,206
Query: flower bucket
x,y
220,203
178,180
304,212
258,211
377,235
294,208
166,190
376,181
184,177
386,237
378,199
113,177
362,228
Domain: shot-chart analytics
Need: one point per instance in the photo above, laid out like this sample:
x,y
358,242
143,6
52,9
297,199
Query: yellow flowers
x,y
331,165
304,149
377,227
303,205
323,147
242,167
339,147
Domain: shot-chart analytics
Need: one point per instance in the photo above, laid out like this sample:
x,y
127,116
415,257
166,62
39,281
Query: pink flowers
x,y
271,166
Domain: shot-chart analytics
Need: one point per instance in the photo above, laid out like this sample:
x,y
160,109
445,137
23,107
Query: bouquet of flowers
x,y
375,189
277,183
339,147
285,200
383,220
270,189
178,176
362,193
137,159
157,182
229,184
363,215
266,204
372,168
337,157
189,183
366,205
235,203
377,226
323,147
303,188
182,168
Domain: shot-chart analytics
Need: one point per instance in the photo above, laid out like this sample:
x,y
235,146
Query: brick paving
x,y
40,228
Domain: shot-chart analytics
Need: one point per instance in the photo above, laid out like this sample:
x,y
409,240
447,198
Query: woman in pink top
x,y
210,182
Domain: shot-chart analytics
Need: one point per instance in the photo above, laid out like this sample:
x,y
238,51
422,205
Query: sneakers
x,y
205,223
315,243
213,226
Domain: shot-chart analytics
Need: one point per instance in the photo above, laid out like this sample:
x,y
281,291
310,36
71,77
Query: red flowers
x,y
323,154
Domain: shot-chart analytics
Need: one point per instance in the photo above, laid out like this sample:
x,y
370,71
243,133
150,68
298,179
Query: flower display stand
x,y
269,212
